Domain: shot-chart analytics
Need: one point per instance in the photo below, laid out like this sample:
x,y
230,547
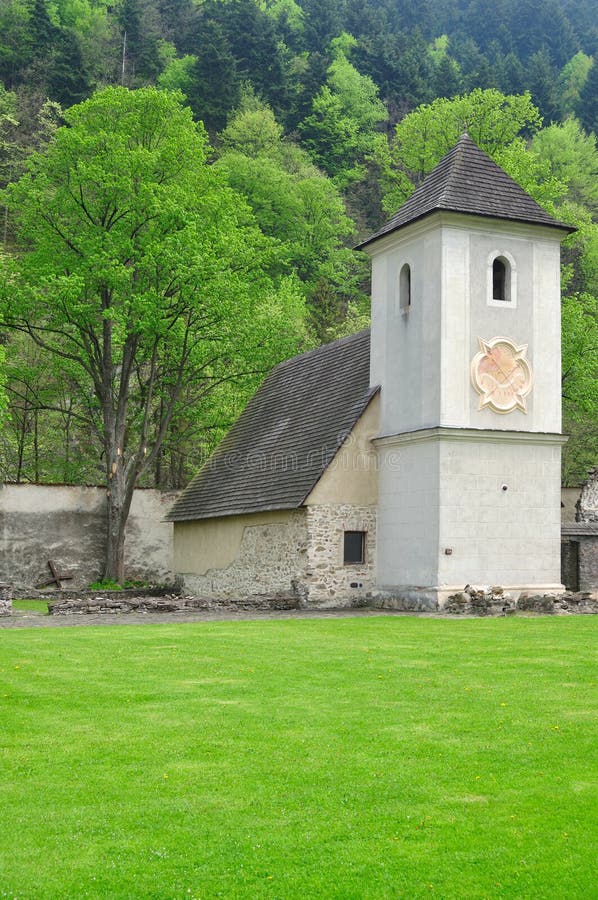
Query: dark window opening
x,y
405,287
354,549
499,279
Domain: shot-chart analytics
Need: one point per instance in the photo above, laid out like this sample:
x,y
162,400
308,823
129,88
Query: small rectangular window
x,y
354,549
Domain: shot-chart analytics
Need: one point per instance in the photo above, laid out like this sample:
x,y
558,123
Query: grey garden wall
x,y
66,524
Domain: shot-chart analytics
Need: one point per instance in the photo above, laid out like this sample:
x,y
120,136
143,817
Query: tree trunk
x,y
119,504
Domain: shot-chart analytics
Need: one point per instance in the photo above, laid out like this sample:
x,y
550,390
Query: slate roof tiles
x,y
287,435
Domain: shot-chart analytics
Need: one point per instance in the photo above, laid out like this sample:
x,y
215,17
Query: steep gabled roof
x,y
467,181
287,435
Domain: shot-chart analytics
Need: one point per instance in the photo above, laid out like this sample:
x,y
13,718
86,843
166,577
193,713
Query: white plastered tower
x,y
466,348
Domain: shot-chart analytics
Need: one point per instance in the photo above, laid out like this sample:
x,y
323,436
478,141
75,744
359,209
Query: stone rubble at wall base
x,y
466,603
495,603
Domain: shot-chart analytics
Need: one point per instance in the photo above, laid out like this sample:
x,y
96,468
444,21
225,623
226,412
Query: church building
x,y
397,465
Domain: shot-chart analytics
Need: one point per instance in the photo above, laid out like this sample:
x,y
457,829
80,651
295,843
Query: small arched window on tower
x,y
405,288
502,280
499,278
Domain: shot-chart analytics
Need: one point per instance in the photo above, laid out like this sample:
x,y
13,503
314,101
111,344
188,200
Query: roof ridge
x,y
456,153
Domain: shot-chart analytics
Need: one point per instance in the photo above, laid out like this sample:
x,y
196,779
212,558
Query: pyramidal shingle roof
x,y
466,180
287,435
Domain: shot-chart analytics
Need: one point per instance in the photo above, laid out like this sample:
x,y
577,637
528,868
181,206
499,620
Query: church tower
x,y
466,349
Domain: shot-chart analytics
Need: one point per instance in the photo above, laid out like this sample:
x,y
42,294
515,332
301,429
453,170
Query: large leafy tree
x,y
298,204
145,278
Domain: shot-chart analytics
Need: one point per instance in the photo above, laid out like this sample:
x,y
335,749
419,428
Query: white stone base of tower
x,y
464,507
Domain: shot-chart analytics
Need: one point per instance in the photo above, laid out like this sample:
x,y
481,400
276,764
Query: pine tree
x,y
215,84
587,109
542,82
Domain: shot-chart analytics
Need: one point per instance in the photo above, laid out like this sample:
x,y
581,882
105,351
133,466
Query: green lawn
x,y
350,758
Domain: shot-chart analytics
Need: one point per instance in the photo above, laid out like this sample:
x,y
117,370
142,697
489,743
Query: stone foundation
x,y
297,553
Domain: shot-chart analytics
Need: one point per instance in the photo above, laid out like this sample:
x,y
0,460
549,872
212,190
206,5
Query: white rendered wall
x,y
443,459
422,357
445,519
405,354
408,514
499,512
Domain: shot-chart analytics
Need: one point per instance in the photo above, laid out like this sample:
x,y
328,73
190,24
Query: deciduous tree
x,y
144,276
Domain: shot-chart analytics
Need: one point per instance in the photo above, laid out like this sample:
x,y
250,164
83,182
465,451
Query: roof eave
x,y
559,226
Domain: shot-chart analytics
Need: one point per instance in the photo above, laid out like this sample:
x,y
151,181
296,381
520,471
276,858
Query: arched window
x,y
502,279
405,288
500,285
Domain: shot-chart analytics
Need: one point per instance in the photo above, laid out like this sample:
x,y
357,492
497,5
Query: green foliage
x,y
178,74
572,156
587,106
106,584
294,202
572,78
580,378
341,132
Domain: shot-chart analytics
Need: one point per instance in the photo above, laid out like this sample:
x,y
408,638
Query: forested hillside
x,y
320,116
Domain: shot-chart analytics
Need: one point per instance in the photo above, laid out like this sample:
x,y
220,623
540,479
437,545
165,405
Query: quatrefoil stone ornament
x,y
501,375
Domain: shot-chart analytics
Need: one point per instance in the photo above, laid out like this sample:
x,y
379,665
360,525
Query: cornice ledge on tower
x,y
448,433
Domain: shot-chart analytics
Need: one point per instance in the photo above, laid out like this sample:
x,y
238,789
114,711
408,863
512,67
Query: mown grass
x,y
352,758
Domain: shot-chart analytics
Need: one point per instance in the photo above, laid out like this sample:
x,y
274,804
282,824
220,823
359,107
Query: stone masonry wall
x,y
330,583
588,563
587,516
67,524
271,560
587,505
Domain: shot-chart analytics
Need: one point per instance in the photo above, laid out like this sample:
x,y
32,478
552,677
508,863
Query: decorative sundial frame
x,y
501,375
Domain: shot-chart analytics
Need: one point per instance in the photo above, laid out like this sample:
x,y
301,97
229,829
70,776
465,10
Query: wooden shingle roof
x,y
466,180
287,435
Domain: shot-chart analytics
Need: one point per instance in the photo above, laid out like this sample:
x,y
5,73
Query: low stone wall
x,y
111,603
66,524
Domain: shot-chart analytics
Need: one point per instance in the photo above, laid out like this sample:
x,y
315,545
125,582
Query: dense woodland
x,y
319,117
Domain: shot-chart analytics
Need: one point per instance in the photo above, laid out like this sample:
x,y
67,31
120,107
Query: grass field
x,y
352,758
